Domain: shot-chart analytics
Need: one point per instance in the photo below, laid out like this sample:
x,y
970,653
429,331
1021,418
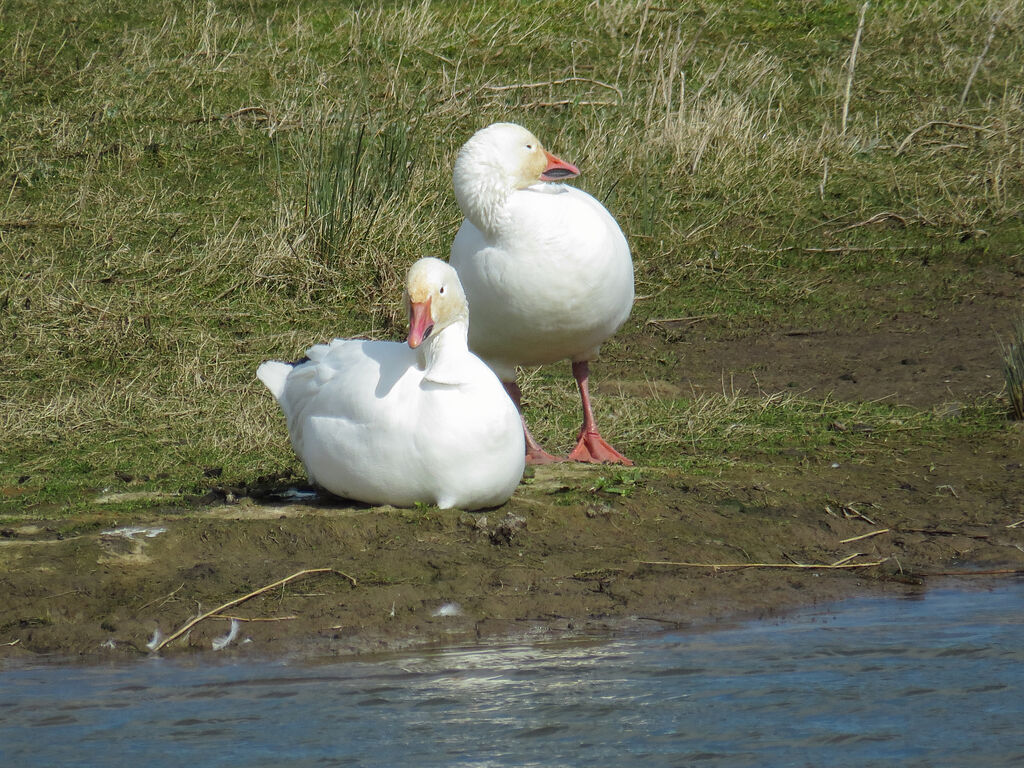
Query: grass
x,y
1013,369
188,190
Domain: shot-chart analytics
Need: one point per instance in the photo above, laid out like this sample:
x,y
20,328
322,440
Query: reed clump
x,y
1013,368
356,172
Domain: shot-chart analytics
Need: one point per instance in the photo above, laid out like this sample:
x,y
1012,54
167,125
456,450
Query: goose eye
x,y
441,291
529,147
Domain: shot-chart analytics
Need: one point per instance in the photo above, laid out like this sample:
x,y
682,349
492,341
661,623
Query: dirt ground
x,y
927,354
565,557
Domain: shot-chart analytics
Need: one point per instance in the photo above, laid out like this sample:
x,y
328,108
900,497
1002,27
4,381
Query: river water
x,y
936,680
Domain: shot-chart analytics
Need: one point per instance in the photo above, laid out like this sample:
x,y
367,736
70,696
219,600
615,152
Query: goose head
x,y
497,161
434,298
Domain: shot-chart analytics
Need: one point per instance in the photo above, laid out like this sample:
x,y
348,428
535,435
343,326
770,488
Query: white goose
x,y
545,266
391,423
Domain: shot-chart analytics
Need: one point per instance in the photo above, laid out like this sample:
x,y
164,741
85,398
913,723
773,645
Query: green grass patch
x,y
1013,369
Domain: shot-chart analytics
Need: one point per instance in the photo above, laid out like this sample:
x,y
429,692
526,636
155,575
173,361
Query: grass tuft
x,y
1013,368
356,172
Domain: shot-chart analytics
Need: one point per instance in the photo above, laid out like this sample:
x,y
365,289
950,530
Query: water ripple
x,y
935,681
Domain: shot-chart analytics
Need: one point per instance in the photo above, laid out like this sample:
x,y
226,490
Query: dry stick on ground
x,y
567,102
258,112
804,566
865,249
851,512
848,558
864,536
984,52
878,217
232,603
944,532
563,81
163,599
853,64
933,123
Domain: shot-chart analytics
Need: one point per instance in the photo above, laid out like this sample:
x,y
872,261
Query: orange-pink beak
x,y
558,169
420,322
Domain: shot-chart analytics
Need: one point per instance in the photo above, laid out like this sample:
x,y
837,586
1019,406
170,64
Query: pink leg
x,y
534,453
590,446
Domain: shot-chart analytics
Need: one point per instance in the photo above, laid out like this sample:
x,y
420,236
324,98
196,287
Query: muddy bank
x,y
916,357
571,554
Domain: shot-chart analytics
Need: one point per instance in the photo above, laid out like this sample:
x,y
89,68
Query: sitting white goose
x,y
545,266
391,423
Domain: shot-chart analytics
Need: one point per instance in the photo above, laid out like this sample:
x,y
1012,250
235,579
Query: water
x,y
933,681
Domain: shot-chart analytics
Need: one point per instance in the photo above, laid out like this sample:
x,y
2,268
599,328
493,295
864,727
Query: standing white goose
x,y
545,266
391,423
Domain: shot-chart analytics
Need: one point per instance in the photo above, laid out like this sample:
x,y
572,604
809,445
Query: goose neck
x,y
442,354
483,198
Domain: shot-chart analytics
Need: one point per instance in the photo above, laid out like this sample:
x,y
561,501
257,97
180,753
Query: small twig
x,y
61,594
984,52
1014,525
254,618
853,64
866,248
944,147
874,220
567,102
805,566
662,321
547,83
256,111
226,292
943,532
850,511
932,124
865,535
232,603
848,558
13,642
435,54
163,599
